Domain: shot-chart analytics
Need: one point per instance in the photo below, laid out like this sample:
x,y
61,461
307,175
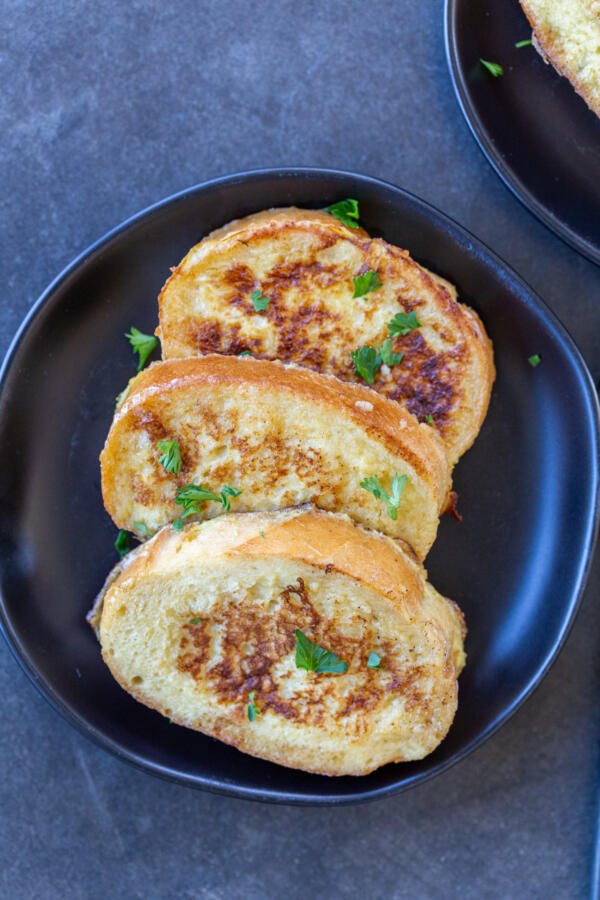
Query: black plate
x,y
516,565
537,133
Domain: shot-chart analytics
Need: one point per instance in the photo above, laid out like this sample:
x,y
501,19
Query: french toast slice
x,y
306,262
283,436
202,625
566,33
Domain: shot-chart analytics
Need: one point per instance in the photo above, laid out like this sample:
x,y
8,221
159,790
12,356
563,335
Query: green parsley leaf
x,y
316,659
195,621
171,457
252,709
346,211
526,43
493,68
402,323
367,362
143,529
142,344
366,283
259,301
374,660
388,357
245,353
534,360
193,496
262,534
122,545
178,524
392,500
429,420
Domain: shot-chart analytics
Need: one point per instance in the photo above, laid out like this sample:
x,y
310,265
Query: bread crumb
x,y
364,405
402,423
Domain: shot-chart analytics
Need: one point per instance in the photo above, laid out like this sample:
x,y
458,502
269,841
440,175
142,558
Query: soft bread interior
x,y
281,435
197,620
305,261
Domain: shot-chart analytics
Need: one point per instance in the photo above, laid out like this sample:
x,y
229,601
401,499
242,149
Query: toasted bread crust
x,y
570,43
304,260
231,417
333,725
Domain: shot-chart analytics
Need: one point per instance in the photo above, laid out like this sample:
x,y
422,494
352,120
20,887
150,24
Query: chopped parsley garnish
x,y
366,283
316,659
429,420
245,353
526,43
171,457
402,323
143,529
178,524
367,362
346,211
259,301
493,68
122,545
142,344
374,660
534,360
252,709
193,496
262,534
392,500
195,621
388,357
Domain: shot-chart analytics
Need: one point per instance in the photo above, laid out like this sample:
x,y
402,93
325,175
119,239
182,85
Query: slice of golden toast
x,y
566,33
202,625
306,263
282,435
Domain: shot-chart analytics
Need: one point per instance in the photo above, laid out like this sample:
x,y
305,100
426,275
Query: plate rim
x,y
549,320
494,158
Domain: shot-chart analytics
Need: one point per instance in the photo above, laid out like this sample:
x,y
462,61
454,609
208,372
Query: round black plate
x,y
516,564
537,133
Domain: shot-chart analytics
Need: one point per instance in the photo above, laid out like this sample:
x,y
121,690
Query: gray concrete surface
x,y
106,108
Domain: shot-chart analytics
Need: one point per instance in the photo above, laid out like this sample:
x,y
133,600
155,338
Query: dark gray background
x,y
108,107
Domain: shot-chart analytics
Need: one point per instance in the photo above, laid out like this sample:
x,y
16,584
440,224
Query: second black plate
x,y
537,133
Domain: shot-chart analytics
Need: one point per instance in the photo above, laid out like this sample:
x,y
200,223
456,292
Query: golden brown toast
x,y
567,34
201,625
282,435
305,262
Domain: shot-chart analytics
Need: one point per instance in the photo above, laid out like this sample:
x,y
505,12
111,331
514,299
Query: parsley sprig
x,y
368,361
142,344
493,68
260,302
346,211
402,323
122,545
170,457
316,659
534,360
193,496
252,709
366,283
392,500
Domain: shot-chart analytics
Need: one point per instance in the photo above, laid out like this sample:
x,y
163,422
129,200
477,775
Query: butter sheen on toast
x,y
192,622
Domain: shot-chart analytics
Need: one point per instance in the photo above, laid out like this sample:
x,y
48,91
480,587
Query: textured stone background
x,y
108,107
